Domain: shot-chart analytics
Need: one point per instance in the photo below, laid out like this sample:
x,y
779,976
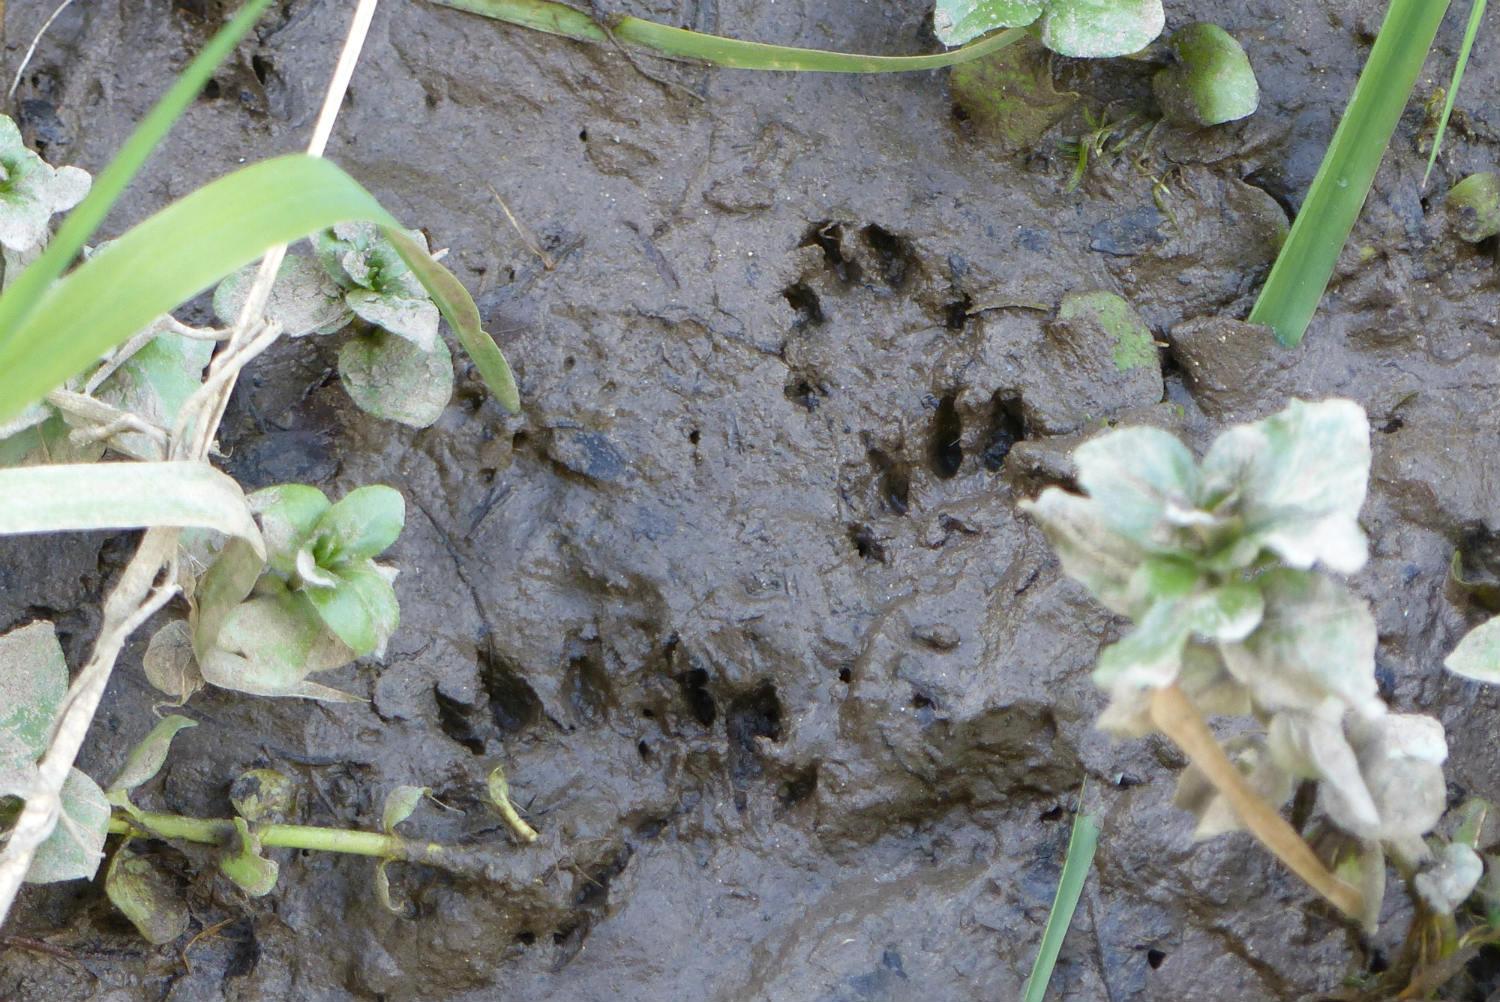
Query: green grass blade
x,y
25,292
74,498
1476,13
1075,871
191,244
557,19
1306,262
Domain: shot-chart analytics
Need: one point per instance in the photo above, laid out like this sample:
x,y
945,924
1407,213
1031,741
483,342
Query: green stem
x,y
558,19
1306,262
221,831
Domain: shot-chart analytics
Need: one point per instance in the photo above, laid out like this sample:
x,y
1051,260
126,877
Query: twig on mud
x,y
31,49
524,232
137,596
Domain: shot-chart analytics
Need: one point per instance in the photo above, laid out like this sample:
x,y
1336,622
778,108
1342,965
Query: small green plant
x,y
37,679
1474,206
1215,562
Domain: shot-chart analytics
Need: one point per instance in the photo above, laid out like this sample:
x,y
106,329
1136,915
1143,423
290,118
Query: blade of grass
x,y
26,291
1476,13
1302,269
192,243
557,19
1076,863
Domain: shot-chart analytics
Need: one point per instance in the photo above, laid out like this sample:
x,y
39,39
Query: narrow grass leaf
x,y
558,19
124,496
25,293
191,244
1476,14
1302,269
1080,856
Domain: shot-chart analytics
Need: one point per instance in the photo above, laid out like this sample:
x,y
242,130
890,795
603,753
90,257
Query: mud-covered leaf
x,y
1100,28
288,514
1229,612
414,320
243,863
1477,655
76,845
1449,882
1134,475
1401,756
1312,747
391,378
33,681
169,662
1316,642
226,583
1474,206
399,804
361,610
270,644
1211,81
958,21
153,384
263,795
145,760
73,498
304,299
1090,552
145,897
1300,478
383,890
363,523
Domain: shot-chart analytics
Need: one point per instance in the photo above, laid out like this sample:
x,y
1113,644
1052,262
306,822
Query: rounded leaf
x,y
288,514
304,298
392,378
1211,82
361,611
364,523
1474,206
145,897
1477,655
399,805
958,21
415,320
1094,29
76,845
263,795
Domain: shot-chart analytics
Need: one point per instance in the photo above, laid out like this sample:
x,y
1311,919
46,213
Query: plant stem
x,y
559,19
221,831
1179,720
1302,269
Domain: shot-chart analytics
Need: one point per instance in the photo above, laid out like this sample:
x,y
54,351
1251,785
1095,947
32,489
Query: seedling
x,y
1214,562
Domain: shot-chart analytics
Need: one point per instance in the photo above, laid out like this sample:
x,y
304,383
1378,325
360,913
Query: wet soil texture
x,y
742,600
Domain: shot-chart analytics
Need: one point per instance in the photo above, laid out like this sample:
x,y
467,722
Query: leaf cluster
x,y
1215,560
317,601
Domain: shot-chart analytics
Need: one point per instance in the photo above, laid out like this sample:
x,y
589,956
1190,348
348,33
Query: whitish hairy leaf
x,y
1100,28
1229,612
394,379
1300,478
1451,880
145,759
145,897
1150,656
958,21
304,300
1401,756
1135,475
1316,642
124,496
1315,748
1089,550
1477,655
76,845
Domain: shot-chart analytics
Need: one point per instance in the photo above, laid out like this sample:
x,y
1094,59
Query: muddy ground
x,y
742,600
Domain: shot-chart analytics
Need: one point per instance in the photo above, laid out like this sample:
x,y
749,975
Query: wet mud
x,y
742,600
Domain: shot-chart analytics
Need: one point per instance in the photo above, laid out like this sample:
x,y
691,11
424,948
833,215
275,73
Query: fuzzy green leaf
x,y
1316,642
1448,883
958,21
145,760
392,378
1477,655
1312,747
1229,612
288,515
363,523
145,897
1150,656
361,610
1135,475
1401,757
1099,28
76,845
1300,478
